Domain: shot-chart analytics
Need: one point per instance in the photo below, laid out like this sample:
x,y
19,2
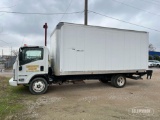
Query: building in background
x,y
7,61
154,55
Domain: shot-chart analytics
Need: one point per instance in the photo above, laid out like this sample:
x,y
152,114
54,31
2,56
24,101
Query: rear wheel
x,y
112,80
38,86
118,81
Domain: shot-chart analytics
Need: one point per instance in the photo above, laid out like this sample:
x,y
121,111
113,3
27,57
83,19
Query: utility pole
x,y
86,12
45,27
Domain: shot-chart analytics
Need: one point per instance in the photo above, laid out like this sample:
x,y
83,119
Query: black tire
x,y
118,81
38,86
103,80
112,80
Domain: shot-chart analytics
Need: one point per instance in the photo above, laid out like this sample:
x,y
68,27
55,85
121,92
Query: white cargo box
x,y
80,49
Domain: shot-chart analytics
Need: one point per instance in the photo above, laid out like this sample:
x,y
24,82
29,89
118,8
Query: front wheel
x,y
38,86
118,81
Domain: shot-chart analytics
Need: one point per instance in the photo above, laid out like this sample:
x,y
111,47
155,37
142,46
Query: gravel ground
x,y
93,100
7,73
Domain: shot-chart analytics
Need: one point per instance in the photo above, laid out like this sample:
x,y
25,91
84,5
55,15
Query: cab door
x,y
32,62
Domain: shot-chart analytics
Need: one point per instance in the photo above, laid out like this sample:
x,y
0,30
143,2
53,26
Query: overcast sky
x,y
19,29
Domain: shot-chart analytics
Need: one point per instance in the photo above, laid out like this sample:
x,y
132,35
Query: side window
x,y
31,55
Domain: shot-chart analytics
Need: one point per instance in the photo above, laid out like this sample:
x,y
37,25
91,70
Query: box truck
x,y
83,52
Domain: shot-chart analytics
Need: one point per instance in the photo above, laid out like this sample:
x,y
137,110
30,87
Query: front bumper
x,y
12,82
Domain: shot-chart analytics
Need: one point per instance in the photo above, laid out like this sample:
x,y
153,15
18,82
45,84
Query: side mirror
x,y
20,56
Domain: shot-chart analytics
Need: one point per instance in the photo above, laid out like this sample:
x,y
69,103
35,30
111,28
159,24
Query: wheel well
x,y
45,76
50,71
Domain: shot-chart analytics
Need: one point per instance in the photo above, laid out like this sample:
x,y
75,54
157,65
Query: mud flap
x,y
149,74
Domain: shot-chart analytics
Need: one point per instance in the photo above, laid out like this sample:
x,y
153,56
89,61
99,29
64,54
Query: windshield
x,y
31,54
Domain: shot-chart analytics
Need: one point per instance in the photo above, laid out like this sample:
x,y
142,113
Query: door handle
x,y
20,68
41,68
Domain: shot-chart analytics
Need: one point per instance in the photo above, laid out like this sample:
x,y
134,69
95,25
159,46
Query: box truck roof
x,y
59,25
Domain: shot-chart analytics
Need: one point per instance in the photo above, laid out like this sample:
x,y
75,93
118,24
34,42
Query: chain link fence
x,y
2,67
8,63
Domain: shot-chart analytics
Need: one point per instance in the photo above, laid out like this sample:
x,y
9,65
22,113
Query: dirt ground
x,y
93,100
7,73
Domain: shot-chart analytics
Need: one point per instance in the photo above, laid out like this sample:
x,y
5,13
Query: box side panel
x,y
72,49
114,49
144,50
53,48
136,50
54,52
91,49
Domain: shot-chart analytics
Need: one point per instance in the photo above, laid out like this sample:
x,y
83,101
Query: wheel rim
x,y
121,81
38,86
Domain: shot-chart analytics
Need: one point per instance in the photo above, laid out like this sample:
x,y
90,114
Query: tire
x,y
103,80
38,86
118,81
112,80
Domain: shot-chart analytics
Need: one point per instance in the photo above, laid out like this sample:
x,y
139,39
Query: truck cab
x,y
31,63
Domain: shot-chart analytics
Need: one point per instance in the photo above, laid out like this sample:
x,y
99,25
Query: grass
x,y
12,98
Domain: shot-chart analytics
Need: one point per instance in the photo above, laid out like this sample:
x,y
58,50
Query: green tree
x,y
150,57
151,47
156,57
